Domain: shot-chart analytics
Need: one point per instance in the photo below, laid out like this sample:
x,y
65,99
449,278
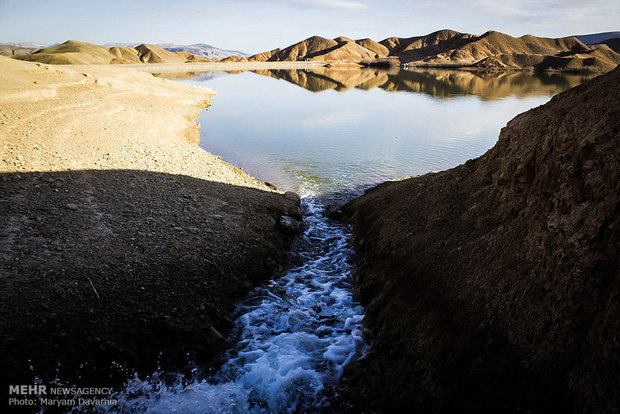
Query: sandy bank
x,y
221,66
120,239
56,118
494,286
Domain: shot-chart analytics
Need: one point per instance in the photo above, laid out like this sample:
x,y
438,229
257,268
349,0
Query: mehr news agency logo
x,y
44,396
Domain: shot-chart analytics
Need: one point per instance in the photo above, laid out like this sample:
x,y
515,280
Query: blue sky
x,y
258,25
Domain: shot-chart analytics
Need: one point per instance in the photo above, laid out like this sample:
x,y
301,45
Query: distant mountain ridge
x,y
611,39
444,48
592,39
449,48
197,49
76,52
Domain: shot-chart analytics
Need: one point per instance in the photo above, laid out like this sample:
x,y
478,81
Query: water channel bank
x,y
494,286
123,245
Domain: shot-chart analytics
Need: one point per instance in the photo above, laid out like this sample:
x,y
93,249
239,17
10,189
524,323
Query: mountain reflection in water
x,y
357,131
436,82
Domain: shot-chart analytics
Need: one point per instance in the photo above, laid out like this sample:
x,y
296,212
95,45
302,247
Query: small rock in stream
x,y
289,225
290,195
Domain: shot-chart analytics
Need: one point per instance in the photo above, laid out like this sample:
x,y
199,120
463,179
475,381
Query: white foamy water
x,y
294,336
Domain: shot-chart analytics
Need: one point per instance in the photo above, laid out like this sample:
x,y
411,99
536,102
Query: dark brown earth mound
x,y
420,47
299,51
380,50
495,285
128,266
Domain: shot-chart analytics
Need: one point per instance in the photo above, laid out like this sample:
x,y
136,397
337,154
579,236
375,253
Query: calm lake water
x,y
329,130
323,133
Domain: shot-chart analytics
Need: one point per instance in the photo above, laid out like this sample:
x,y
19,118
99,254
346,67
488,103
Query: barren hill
x,y
492,50
79,53
16,49
155,54
340,49
264,56
71,52
424,46
493,286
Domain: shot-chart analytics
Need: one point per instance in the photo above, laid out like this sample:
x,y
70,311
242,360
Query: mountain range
x,y
449,48
197,49
611,39
200,51
76,52
444,48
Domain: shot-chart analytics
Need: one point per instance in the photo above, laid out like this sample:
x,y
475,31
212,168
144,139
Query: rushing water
x,y
293,336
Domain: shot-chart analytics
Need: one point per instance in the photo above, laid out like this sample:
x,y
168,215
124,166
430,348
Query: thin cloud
x,y
332,4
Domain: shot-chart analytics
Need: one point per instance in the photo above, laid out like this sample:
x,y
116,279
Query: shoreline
x,y
122,240
220,66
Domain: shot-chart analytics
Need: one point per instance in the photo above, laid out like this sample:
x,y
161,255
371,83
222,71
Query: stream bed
x,y
326,135
293,336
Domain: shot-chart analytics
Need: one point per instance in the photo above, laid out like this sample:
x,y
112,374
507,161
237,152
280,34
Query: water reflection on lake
x,y
342,128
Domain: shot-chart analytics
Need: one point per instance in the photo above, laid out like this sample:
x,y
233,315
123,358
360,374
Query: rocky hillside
x,y
494,286
79,53
492,50
340,49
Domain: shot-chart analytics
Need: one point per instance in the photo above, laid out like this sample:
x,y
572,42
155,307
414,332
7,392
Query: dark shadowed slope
x,y
118,270
495,285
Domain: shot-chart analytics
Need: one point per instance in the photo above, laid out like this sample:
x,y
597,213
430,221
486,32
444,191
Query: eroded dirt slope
x,y
494,285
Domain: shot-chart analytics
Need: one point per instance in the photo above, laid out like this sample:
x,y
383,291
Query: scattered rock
x,y
334,212
142,248
290,226
290,195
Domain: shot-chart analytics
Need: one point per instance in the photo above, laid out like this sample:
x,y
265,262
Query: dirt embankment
x,y
120,239
495,285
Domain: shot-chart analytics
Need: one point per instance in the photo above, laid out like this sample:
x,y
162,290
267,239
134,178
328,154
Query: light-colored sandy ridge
x,y
104,117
